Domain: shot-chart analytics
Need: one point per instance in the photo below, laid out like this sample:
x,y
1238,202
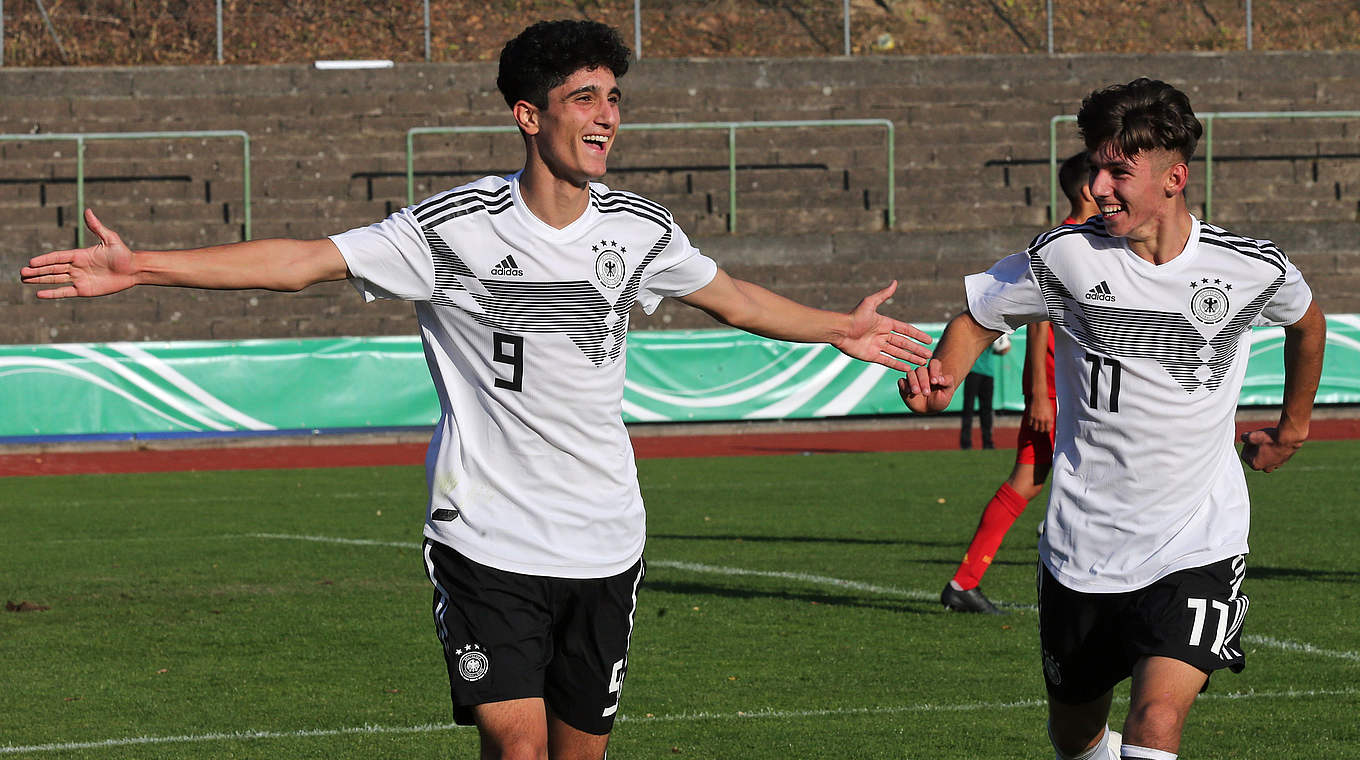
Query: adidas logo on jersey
x,y
507,268
1100,292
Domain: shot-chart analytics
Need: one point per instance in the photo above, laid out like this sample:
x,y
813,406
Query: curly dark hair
x,y
545,54
1144,114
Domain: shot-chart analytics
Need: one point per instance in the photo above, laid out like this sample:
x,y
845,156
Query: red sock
x,y
997,518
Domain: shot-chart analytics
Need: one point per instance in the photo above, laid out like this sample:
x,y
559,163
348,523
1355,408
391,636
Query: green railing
x,y
80,138
1208,119
730,126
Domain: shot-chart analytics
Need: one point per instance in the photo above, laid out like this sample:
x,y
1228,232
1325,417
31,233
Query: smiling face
x,y
1136,194
572,136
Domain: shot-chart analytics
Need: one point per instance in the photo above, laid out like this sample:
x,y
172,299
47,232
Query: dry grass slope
x,y
141,32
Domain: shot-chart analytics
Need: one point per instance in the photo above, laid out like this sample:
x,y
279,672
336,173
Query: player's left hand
x,y
1263,450
872,337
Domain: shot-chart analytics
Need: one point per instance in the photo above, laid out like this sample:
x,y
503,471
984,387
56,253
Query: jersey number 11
x,y
1113,364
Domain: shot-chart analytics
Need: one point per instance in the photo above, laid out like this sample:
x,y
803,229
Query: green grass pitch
x,y
789,612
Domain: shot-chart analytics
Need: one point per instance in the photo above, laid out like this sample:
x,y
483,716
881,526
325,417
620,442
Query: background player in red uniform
x,y
1034,448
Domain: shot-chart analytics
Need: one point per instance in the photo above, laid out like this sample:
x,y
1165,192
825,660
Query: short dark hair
x,y
1073,175
1145,114
545,54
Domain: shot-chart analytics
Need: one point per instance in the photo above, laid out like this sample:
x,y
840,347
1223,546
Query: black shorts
x,y
513,636
1091,642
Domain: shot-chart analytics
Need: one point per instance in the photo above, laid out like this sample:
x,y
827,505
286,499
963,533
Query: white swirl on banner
x,y
53,366
643,414
187,386
845,401
166,397
800,393
736,397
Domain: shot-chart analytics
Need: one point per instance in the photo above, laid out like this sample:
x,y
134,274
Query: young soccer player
x,y
1034,445
523,287
1143,553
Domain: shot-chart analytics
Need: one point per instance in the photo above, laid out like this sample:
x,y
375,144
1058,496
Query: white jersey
x,y
1149,362
530,469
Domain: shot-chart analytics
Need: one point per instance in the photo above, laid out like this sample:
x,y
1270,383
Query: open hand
x,y
103,268
873,337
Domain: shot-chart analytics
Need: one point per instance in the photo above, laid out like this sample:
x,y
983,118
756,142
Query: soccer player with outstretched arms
x,y
1143,553
522,286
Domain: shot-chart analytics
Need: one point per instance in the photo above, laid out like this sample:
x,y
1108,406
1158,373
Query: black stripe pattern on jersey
x,y
1165,337
454,204
618,201
1093,226
1261,250
575,307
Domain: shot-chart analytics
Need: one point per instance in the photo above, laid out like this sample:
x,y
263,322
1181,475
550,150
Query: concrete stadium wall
x,y
328,154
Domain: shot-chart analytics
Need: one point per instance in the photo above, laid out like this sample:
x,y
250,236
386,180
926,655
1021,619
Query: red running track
x,y
646,447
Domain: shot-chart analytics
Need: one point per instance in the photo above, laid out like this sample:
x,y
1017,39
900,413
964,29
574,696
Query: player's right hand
x,y
103,268
926,389
1039,415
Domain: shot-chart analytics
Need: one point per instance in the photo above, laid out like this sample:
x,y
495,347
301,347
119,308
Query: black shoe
x,y
971,600
988,445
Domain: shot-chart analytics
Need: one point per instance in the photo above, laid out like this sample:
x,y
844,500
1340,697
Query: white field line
x,y
1295,646
820,580
763,714
816,580
229,736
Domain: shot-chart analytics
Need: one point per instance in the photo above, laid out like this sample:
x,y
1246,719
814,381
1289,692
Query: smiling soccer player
x,y
1143,552
523,286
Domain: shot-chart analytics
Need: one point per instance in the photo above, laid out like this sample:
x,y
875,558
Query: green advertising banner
x,y
230,387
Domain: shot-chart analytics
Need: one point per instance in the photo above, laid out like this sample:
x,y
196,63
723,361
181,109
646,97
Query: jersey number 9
x,y
509,349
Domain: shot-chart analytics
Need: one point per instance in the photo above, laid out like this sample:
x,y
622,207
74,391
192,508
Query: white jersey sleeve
x,y
1290,301
1006,296
389,259
679,270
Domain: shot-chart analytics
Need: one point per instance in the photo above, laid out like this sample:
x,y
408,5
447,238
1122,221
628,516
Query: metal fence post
x,y
2,32
637,29
1208,166
732,178
1053,171
1248,24
219,31
847,27
245,178
892,181
1050,27
410,167
80,191
427,31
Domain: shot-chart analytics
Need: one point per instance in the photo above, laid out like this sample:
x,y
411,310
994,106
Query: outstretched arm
x,y
110,266
1304,343
928,389
863,333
